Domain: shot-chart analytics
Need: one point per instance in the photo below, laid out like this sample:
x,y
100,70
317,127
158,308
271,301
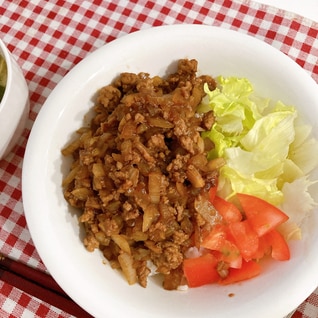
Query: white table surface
x,y
306,8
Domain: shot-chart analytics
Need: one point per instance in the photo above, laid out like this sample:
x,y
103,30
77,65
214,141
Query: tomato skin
x,y
216,238
248,270
221,244
262,215
264,248
280,249
245,238
228,210
200,270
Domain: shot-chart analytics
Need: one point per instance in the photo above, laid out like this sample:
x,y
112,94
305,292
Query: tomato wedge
x,y
246,239
262,215
200,270
248,270
264,248
218,241
228,210
280,249
216,238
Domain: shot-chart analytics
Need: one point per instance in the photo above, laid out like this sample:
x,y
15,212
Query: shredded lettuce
x,y
267,148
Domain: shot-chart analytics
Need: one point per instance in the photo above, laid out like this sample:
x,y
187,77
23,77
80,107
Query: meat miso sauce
x,y
140,175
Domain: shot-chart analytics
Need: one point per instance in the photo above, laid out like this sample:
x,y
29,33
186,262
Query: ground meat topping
x,y
140,176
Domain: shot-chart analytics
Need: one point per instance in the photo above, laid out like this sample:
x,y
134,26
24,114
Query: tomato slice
x,y
228,210
229,253
280,248
262,215
216,238
245,238
233,257
222,246
200,270
248,270
264,248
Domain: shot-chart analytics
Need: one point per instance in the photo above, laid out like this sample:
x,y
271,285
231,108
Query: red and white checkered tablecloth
x,y
48,38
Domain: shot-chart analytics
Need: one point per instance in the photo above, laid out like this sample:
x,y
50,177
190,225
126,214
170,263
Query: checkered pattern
x,y
49,37
14,303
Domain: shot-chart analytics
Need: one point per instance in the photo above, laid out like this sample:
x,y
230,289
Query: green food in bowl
x,y
3,76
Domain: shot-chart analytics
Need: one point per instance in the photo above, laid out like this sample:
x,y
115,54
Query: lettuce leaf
x,y
267,148
303,147
234,110
298,198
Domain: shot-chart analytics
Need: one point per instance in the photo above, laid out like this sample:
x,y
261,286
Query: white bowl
x,y
14,106
95,286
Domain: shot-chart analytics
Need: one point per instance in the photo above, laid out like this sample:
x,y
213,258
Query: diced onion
x,y
81,193
154,185
195,177
122,242
151,214
216,163
160,122
127,265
